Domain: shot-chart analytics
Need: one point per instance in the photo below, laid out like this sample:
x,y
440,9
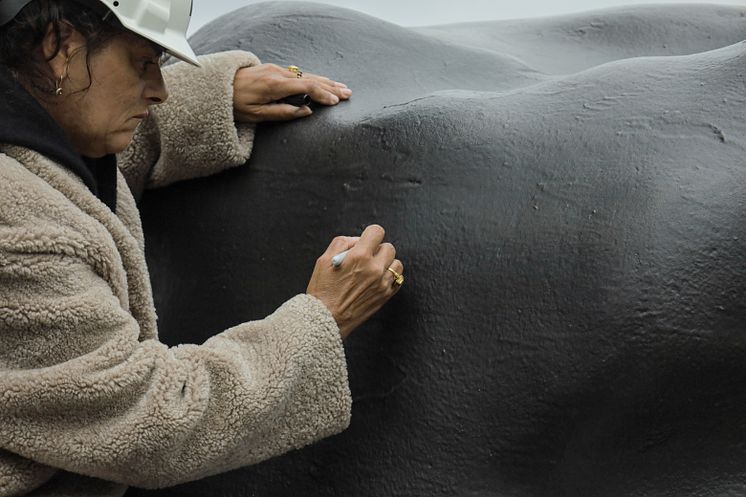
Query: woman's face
x,y
104,101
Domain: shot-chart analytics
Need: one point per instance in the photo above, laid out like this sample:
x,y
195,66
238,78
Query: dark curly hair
x,y
21,38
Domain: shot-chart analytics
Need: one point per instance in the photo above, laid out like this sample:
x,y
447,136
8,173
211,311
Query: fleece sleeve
x,y
80,392
193,133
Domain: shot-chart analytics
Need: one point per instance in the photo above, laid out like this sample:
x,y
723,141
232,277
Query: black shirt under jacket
x,y
24,122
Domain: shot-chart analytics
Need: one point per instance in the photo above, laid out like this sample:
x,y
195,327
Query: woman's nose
x,y
155,89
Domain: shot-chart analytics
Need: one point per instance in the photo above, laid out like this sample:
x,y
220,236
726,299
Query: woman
x,y
90,401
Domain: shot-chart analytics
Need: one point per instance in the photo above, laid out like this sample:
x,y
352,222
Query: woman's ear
x,y
58,51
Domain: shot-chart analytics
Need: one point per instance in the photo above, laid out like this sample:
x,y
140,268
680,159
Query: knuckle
x,y
369,273
381,270
389,247
316,91
359,256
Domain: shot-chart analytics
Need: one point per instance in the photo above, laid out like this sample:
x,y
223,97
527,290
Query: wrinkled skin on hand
x,y
360,286
258,88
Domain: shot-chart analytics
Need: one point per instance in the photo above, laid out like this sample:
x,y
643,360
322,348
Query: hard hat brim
x,y
173,43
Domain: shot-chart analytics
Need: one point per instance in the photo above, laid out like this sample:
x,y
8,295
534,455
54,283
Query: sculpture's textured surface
x,y
574,317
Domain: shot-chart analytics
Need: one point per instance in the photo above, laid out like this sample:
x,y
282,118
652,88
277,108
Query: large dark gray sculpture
x,y
574,317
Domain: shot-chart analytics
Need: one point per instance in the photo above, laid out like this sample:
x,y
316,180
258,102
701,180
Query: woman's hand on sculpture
x,y
257,89
362,284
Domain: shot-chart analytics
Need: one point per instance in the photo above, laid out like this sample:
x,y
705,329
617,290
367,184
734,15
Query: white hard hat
x,y
163,22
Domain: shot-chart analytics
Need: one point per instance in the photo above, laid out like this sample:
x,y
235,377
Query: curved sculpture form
x,y
573,321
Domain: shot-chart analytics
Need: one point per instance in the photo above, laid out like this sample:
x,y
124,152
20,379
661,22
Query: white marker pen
x,y
339,258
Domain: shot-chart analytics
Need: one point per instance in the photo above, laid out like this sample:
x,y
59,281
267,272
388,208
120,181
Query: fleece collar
x,y
24,122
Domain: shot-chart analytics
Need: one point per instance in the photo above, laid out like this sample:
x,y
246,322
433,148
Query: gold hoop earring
x,y
58,87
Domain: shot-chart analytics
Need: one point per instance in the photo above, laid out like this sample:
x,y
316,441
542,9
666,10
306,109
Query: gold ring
x,y
398,278
296,70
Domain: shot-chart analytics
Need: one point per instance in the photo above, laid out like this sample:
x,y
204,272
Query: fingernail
x,y
335,99
346,92
341,85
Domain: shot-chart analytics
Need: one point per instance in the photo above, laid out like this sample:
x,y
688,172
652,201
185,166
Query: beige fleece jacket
x,y
90,400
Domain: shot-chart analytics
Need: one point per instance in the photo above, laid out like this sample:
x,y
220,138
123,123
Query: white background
x,y
424,12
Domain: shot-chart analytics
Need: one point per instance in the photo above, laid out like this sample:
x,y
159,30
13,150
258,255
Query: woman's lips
x,y
141,116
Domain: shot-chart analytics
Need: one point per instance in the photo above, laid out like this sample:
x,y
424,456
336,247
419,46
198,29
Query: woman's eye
x,y
149,62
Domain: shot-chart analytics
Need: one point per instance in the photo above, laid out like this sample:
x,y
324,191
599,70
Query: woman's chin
x,y
120,142
116,143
